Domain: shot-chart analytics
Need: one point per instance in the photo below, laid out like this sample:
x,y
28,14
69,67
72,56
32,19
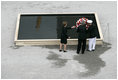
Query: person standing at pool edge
x,y
64,36
92,35
82,35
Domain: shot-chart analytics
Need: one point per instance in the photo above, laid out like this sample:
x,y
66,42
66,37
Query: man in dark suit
x,y
81,38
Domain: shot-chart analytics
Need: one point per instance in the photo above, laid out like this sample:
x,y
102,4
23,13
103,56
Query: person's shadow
x,y
92,61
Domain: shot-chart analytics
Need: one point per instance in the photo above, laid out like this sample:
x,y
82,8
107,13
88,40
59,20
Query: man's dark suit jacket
x,y
82,32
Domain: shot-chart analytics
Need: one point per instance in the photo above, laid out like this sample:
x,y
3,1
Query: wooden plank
x,y
100,42
61,13
99,27
17,27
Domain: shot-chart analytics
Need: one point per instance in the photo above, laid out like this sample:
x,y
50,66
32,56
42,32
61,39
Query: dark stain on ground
x,y
92,60
57,61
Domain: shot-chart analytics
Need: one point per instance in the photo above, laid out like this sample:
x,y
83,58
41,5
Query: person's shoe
x,y
93,50
60,50
89,50
82,52
77,52
65,51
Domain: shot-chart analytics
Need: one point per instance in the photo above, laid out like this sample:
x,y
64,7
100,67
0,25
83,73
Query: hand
x,y
73,27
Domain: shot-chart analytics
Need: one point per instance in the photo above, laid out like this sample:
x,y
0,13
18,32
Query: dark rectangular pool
x,y
48,26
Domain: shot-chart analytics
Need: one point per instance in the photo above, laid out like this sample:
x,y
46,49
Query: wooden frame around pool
x,y
53,41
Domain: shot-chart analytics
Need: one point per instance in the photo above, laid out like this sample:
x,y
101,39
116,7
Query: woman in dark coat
x,y
64,36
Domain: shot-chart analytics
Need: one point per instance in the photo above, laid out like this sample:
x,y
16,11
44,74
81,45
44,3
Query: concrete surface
x,y
27,62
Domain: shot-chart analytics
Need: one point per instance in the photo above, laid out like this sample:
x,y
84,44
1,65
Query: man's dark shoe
x,y
82,52
77,52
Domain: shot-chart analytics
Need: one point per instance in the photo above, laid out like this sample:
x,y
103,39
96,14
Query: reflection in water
x,y
58,62
38,22
35,27
92,61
